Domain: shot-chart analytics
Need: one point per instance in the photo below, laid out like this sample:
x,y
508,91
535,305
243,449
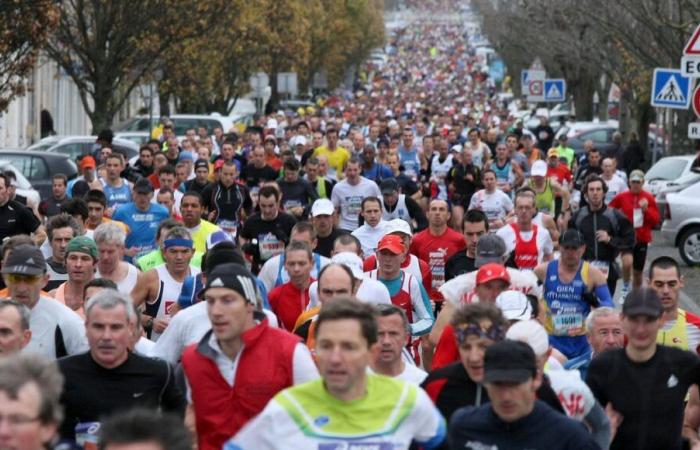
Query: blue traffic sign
x,y
670,89
555,90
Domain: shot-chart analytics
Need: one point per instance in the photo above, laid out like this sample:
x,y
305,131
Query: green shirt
x,y
155,259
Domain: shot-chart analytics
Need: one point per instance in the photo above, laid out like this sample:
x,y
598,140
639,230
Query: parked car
x,y
599,132
681,226
24,187
668,175
184,122
39,167
75,146
137,137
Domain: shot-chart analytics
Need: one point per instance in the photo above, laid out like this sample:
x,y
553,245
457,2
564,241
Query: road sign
x,y
690,66
670,89
555,90
287,83
694,130
534,88
696,101
258,82
692,47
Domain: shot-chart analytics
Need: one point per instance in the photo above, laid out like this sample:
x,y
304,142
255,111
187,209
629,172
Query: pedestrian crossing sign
x,y
554,90
670,89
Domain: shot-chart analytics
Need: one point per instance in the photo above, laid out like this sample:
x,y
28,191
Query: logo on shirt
x,y
357,446
479,446
672,381
321,421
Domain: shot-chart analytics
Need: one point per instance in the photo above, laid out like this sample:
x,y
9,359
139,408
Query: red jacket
x,y
627,202
288,302
265,367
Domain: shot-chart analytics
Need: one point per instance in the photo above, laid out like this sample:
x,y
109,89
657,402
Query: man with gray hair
x,y
14,327
30,388
109,378
110,239
604,332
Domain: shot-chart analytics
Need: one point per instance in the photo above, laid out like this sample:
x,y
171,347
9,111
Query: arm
x,y
564,193
172,399
143,289
625,238
443,319
599,425
417,213
600,286
691,417
518,173
651,214
422,310
549,224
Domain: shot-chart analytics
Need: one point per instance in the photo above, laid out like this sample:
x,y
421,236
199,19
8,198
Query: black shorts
x,y
639,256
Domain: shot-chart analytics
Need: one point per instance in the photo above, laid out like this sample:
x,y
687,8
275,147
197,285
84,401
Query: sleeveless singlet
x,y
117,195
502,173
525,252
439,173
168,293
566,310
400,210
402,298
544,201
128,283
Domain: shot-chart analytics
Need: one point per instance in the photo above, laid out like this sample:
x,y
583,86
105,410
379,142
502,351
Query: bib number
x,y
603,266
229,227
638,217
87,435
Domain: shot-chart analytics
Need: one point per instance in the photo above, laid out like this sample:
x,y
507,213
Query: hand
x,y
297,211
131,252
211,216
602,236
615,419
470,177
496,224
159,325
644,204
108,212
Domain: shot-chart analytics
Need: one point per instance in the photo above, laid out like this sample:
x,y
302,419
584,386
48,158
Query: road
x,y
690,297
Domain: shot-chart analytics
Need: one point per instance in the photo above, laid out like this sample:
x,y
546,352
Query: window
x,y
598,136
39,170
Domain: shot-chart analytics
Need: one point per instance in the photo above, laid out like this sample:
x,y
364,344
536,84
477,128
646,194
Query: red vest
x,y
264,369
525,251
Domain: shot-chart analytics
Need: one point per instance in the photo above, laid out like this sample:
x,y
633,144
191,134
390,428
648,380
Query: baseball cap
x,y
322,207
88,162
491,271
271,123
82,244
490,248
233,276
641,302
514,305
539,169
530,332
218,164
352,261
509,361
392,243
300,140
186,156
25,259
637,175
553,152
398,226
571,238
216,237
143,186
201,163
389,186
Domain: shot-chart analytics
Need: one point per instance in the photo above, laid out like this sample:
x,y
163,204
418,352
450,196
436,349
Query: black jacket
x,y
609,219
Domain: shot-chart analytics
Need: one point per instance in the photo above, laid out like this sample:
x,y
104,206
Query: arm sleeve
x,y
303,365
603,294
172,399
423,320
186,298
268,273
30,221
170,345
652,216
598,421
430,427
625,235
417,213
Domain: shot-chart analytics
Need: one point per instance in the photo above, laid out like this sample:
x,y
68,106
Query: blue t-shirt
x,y
377,173
142,225
410,163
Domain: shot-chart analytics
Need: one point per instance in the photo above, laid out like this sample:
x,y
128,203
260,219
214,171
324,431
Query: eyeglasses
x,y
17,420
18,278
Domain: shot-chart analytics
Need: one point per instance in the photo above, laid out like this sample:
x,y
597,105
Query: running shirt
x,y
128,283
478,152
439,171
143,226
504,174
544,201
460,290
407,293
336,160
288,302
436,250
574,394
370,291
390,416
400,210
348,199
200,233
682,332
369,237
168,293
48,320
615,186
411,373
529,247
496,205
274,274
117,196
410,162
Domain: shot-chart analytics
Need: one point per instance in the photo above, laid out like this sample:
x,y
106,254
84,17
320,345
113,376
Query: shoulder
x,y
601,363
68,363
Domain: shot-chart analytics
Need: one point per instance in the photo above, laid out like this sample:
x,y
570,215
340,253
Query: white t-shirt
x,y
478,152
178,198
271,269
496,206
410,373
370,291
369,237
348,199
144,346
460,290
544,240
574,395
48,314
615,186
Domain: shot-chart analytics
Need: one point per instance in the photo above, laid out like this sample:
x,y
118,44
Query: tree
x,y
24,28
109,47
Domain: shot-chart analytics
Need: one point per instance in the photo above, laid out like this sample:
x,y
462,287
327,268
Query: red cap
x,y
218,164
87,162
492,271
391,242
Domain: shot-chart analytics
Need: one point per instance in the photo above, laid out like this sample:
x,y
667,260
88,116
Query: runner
x,y
396,205
81,259
192,208
110,239
492,201
290,299
347,195
60,230
604,332
116,189
374,227
388,413
547,191
227,201
473,227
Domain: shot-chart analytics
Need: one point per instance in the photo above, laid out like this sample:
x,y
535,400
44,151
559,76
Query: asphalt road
x,y
690,297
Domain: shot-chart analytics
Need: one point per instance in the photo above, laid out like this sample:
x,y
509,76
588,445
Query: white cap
x,y
398,225
271,123
532,333
514,305
352,261
539,169
299,140
322,207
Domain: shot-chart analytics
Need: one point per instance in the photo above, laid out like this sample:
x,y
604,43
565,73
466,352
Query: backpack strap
x,y
58,342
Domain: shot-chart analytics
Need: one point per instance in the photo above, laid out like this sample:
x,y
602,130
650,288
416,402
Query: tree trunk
x,y
681,145
583,97
603,89
644,115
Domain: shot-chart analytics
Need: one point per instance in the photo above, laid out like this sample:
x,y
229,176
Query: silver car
x,y
668,175
681,226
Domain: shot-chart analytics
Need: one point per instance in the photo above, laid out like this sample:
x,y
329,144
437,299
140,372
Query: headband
x,y
494,332
178,242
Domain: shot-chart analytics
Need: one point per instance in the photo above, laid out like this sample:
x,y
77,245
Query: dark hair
x,y
60,176
291,164
483,174
62,220
475,216
96,196
13,241
350,308
384,310
370,199
312,160
75,207
269,191
168,169
167,224
146,148
663,263
473,313
100,283
352,160
222,253
304,227
10,174
106,135
347,239
194,194
593,178
331,130
299,246
144,425
6,179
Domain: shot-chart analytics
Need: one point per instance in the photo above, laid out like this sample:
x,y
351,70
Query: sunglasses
x,y
17,278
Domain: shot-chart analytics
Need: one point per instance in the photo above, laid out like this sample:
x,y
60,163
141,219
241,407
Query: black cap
x,y
571,238
509,361
642,302
389,186
233,276
143,186
201,163
25,259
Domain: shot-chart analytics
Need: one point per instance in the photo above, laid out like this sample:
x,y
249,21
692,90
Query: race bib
x,y
230,227
354,204
289,204
638,217
566,323
269,246
603,266
436,262
87,435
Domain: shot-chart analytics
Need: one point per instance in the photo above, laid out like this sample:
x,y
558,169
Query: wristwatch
x,y
148,325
